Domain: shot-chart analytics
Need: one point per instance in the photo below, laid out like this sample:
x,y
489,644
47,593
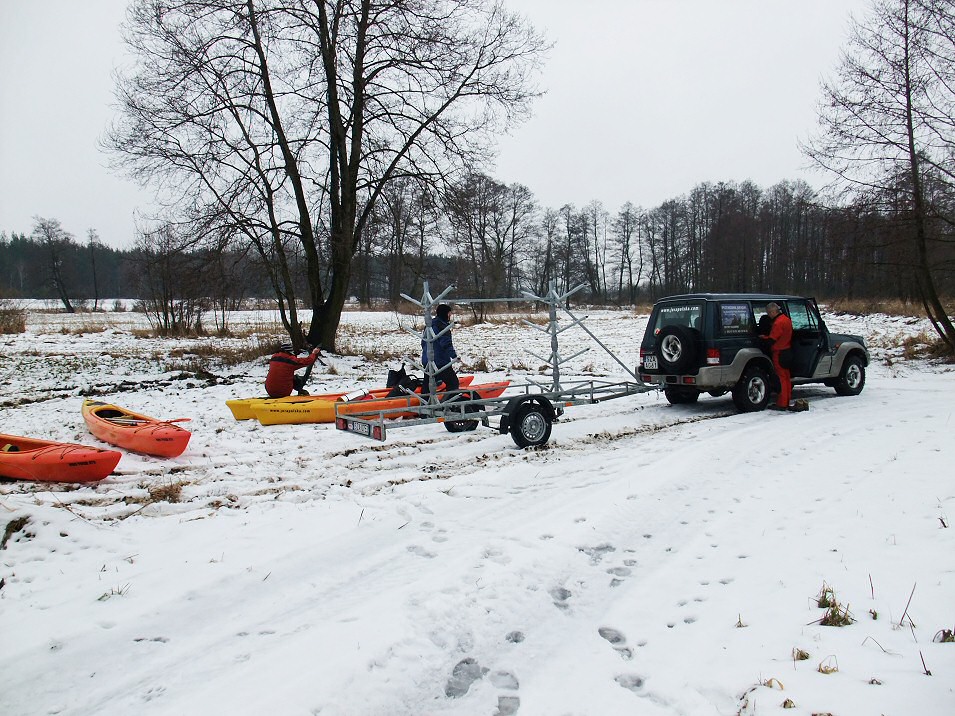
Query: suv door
x,y
808,337
735,329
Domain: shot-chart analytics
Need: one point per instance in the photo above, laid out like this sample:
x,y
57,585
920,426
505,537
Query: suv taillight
x,y
712,356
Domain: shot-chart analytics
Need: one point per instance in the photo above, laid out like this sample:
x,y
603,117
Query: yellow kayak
x,y
315,409
244,408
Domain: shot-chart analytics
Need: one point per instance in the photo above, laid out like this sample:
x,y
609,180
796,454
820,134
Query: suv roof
x,y
731,297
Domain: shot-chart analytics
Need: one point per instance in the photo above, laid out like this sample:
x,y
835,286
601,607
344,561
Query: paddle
x,y
308,371
140,421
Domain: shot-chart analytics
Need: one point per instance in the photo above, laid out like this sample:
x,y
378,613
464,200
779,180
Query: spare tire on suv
x,y
677,348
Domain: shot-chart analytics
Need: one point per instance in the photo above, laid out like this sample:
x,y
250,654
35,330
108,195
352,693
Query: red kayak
x,y
139,433
49,461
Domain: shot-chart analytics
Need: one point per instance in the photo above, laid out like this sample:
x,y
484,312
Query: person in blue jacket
x,y
443,349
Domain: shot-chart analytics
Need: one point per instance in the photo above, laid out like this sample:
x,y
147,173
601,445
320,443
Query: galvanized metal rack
x,y
527,411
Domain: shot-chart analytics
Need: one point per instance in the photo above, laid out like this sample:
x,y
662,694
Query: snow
x,y
651,559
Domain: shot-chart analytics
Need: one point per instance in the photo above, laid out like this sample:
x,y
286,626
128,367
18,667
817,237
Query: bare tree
x,y
170,282
94,244
492,226
543,267
595,262
887,122
57,242
284,121
626,232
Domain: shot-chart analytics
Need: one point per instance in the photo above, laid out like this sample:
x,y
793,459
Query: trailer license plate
x,y
650,362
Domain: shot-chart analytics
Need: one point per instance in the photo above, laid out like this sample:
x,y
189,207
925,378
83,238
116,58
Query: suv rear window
x,y
679,314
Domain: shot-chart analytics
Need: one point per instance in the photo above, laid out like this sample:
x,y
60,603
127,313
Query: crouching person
x,y
281,379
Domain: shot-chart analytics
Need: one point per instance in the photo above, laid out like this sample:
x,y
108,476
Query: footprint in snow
x,y
464,673
597,553
504,680
560,596
618,641
507,705
154,693
618,573
631,682
420,551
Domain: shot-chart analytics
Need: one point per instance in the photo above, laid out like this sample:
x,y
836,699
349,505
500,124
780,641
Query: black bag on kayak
x,y
396,376
407,383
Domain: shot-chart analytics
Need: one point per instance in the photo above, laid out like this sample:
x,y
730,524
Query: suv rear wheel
x,y
751,393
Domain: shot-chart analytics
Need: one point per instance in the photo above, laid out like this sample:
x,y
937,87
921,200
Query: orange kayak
x,y
139,433
244,408
323,411
50,461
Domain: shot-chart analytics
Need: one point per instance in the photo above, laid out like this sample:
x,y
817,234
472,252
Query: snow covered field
x,y
651,559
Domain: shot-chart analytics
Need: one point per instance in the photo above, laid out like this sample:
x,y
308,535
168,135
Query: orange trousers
x,y
785,382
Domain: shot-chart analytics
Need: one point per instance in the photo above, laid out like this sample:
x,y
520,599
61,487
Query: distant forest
x,y
491,240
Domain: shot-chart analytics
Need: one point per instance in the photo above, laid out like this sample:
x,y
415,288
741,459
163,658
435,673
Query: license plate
x,y
650,362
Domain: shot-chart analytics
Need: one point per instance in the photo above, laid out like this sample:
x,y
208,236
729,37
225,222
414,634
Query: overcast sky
x,y
645,99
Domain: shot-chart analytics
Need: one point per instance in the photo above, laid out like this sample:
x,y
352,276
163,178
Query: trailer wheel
x,y
530,426
463,426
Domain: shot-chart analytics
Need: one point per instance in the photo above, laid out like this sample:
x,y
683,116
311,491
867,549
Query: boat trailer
x,y
527,411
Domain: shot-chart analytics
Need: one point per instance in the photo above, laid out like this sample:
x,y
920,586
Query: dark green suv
x,y
708,343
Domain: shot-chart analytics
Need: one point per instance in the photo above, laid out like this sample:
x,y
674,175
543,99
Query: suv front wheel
x,y
851,378
751,393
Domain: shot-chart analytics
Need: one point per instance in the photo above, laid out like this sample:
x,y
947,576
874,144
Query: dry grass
x,y
926,345
13,320
84,328
13,526
868,306
171,492
346,346
836,615
204,354
945,636
826,597
830,665
478,366
502,319
800,654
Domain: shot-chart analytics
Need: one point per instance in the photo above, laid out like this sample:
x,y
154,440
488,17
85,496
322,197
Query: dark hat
x,y
287,348
443,311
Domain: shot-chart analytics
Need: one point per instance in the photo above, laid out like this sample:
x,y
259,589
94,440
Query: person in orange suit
x,y
780,343
281,380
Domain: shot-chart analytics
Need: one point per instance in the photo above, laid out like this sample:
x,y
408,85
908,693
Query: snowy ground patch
x,y
651,559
